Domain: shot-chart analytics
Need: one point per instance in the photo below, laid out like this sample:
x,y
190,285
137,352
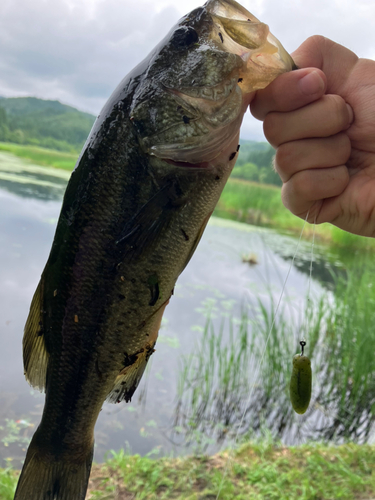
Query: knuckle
x,y
258,107
338,111
318,44
284,158
287,198
318,41
271,128
342,178
344,148
301,185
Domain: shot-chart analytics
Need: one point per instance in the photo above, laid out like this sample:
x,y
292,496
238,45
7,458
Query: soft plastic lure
x,y
300,382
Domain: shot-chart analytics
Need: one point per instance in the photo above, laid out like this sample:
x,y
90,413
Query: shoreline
x,y
241,200
260,470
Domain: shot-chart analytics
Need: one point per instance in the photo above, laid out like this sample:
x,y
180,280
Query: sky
x,y
77,51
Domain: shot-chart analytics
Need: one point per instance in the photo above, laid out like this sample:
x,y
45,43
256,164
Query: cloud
x,y
77,51
61,50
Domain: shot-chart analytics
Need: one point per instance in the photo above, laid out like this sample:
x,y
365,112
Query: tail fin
x,y
43,478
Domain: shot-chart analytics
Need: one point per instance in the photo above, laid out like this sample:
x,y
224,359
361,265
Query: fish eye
x,y
184,36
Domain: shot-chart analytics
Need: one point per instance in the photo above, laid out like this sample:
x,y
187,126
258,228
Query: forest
x,y
38,122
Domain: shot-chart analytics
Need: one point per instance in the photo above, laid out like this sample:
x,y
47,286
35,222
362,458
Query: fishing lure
x,y
300,382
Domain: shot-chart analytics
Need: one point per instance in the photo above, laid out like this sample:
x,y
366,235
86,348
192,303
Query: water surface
x,y
216,282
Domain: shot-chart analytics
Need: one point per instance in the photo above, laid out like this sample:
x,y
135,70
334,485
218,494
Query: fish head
x,y
195,88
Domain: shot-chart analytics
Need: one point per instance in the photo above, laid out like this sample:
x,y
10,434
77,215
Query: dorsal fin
x,y
35,355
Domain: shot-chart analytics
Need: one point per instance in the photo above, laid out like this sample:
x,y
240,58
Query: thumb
x,y
288,92
332,58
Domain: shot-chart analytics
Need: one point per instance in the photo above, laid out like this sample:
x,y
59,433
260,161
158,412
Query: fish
x,y
136,205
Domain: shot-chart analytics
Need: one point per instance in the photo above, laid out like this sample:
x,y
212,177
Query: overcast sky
x,y
77,51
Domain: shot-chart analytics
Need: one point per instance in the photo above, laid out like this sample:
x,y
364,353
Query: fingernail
x,y
351,114
311,84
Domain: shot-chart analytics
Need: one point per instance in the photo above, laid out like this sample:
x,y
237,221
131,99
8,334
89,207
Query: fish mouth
x,y
241,33
210,112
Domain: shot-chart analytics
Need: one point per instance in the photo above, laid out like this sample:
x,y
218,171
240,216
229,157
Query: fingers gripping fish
x,y
135,208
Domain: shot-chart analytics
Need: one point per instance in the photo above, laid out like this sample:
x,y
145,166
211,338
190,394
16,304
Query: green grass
x,y
8,481
257,471
349,380
41,156
261,204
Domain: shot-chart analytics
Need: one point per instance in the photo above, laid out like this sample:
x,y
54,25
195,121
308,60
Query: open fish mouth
x,y
221,54
243,34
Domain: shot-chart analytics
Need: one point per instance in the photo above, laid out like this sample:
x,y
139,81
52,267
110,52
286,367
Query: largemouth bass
x,y
135,208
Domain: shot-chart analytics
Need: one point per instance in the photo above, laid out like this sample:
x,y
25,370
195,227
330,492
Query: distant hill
x,y
28,120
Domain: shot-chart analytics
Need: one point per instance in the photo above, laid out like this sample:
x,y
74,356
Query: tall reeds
x,y
237,380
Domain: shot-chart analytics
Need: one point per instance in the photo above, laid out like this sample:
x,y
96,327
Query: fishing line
x,y
258,367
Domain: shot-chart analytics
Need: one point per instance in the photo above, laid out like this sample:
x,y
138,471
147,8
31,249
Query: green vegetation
x,y
42,156
8,482
254,163
29,125
244,201
38,122
213,388
340,343
216,400
257,471
261,204
52,125
254,203
348,384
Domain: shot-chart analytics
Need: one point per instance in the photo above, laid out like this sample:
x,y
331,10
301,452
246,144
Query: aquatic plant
x,y
221,396
348,374
261,205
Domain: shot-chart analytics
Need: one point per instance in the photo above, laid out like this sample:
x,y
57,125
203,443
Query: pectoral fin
x,y
35,355
128,379
144,230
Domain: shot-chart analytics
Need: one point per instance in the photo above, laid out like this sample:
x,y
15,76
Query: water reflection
x,y
216,282
31,181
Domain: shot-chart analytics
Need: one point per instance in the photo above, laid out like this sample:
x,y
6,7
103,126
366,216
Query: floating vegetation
x,y
16,431
250,258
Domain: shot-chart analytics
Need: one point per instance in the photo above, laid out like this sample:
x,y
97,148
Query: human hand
x,y
325,149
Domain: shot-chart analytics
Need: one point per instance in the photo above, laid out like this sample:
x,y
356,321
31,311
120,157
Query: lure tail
x,y
46,478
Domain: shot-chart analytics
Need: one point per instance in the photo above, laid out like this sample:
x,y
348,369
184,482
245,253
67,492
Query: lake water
x,y
216,281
